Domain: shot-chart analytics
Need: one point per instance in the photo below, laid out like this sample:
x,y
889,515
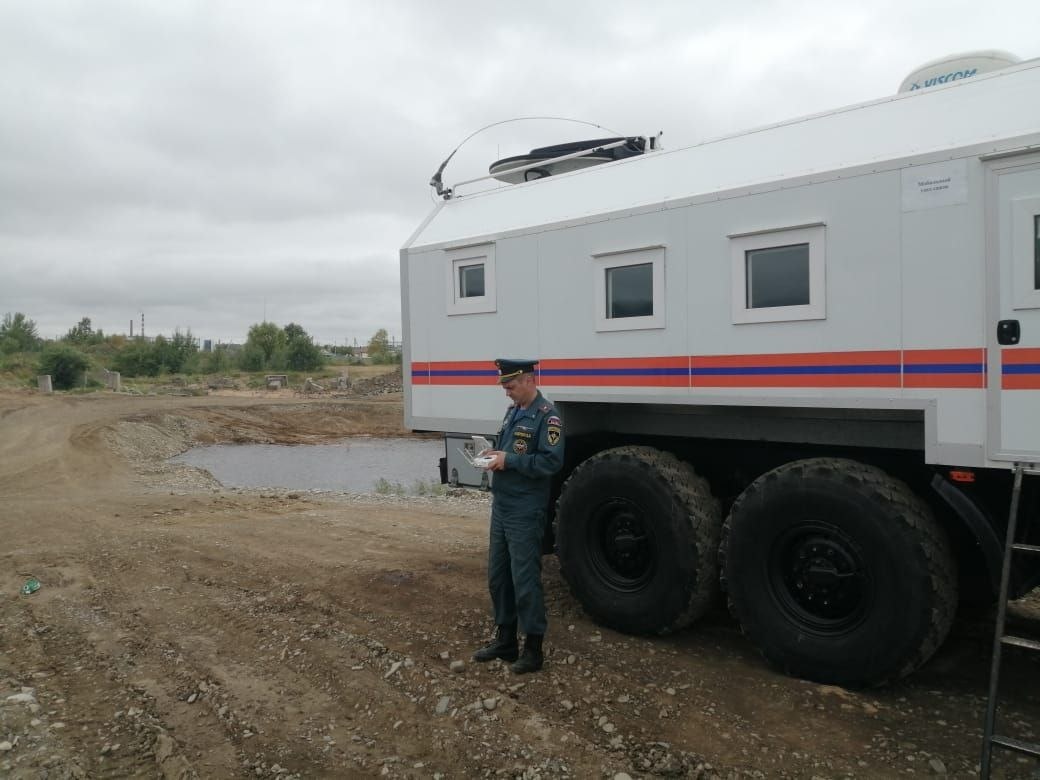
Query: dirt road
x,y
183,629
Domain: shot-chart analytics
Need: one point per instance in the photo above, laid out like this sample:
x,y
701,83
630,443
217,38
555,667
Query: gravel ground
x,y
188,630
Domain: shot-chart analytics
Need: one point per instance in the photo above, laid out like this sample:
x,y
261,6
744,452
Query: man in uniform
x,y
530,451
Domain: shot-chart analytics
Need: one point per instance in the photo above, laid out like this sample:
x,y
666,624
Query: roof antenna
x,y
435,180
447,192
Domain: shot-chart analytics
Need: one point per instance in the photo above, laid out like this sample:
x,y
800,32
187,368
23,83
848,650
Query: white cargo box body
x,y
921,213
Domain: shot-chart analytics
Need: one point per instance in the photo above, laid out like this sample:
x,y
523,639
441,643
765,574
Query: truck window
x,y
1025,252
628,286
470,273
1036,251
778,275
630,291
471,281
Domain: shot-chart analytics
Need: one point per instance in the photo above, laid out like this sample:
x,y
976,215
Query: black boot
x,y
531,659
504,646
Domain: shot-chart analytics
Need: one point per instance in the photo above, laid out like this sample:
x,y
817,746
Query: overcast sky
x,y
210,164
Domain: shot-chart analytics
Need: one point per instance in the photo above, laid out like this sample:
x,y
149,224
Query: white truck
x,y
799,361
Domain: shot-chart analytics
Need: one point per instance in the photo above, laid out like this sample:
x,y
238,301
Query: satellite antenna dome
x,y
955,67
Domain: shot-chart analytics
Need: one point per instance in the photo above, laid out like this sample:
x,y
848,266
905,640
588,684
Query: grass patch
x,y
385,487
424,487
421,487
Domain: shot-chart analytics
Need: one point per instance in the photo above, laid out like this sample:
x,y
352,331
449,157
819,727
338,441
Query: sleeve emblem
x,y
552,435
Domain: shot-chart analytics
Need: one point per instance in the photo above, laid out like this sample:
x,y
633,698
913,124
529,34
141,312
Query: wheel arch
x,y
969,520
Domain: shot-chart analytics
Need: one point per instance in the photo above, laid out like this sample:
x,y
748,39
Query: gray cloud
x,y
205,162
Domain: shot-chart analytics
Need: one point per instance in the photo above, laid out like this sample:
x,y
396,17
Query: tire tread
x,y
906,507
698,505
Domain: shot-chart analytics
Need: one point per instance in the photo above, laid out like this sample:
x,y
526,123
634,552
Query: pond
x,y
362,465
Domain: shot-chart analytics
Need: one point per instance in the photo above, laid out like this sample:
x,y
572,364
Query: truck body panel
x,y
826,331
918,264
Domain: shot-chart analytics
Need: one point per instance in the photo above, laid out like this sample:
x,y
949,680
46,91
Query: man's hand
x,y
498,462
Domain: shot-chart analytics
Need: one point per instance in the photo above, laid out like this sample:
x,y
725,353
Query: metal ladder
x,y
991,740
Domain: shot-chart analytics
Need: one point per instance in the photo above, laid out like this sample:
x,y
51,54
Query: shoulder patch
x,y
554,420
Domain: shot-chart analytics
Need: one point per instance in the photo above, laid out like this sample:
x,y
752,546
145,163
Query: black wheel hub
x,y
817,575
620,544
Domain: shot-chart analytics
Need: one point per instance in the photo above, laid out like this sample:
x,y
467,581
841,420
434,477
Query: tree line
x,y
268,347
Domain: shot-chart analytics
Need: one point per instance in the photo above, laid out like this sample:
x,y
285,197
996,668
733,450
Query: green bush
x,y
137,359
19,369
18,334
251,358
162,355
216,362
176,354
268,338
65,365
83,334
386,358
103,353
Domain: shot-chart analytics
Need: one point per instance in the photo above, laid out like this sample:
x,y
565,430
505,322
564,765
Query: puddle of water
x,y
352,465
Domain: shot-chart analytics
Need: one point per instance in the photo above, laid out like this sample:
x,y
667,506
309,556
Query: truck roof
x,y
995,111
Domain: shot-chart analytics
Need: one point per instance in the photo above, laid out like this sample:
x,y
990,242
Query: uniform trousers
x,y
515,568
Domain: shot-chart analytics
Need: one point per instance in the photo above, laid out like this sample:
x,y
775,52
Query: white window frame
x,y
602,262
1025,294
481,254
741,243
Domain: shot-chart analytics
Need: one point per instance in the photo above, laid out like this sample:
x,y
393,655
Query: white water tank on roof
x,y
955,67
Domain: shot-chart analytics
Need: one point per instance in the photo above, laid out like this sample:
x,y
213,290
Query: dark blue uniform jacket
x,y
532,439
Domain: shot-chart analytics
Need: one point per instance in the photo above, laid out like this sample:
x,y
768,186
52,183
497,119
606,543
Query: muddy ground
x,y
187,630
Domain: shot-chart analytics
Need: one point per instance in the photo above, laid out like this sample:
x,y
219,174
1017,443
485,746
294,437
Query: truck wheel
x,y
636,533
838,572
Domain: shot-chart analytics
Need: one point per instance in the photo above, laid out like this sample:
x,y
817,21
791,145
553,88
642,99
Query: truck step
x,y
1019,641
1018,745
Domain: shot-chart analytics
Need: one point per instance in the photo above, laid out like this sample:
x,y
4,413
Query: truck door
x,y
1013,308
